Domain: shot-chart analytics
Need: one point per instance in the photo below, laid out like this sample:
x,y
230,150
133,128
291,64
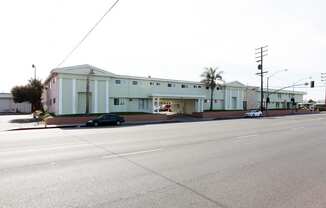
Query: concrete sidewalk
x,y
130,123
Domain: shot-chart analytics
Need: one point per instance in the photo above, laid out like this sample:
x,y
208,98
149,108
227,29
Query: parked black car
x,y
106,119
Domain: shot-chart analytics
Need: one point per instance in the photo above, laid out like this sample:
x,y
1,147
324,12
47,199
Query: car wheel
x,y
95,124
118,123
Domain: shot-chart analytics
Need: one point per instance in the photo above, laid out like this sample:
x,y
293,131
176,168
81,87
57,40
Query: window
x,y
53,81
215,101
279,95
169,85
217,88
53,100
199,86
277,105
151,83
130,99
108,117
207,88
157,83
206,101
234,102
143,104
117,81
118,101
134,82
184,86
195,86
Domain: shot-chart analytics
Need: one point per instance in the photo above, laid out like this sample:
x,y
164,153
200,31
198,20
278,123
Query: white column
x,y
156,106
60,96
202,104
107,103
95,96
198,105
239,100
73,96
226,101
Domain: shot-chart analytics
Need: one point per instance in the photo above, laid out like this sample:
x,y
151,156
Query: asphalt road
x,y
247,163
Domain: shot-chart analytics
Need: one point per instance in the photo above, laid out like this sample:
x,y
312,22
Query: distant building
x,y
7,105
280,99
65,93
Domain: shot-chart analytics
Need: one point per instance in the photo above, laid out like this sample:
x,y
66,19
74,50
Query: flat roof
x,y
5,95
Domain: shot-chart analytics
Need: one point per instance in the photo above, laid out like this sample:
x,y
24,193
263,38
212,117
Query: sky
x,y
167,39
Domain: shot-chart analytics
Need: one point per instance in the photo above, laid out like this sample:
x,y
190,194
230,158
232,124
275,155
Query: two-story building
x,y
66,90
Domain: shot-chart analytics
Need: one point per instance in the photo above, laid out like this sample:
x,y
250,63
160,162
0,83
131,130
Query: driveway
x,y
8,122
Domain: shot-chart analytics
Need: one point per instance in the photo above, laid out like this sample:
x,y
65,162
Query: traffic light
x,y
260,67
293,100
312,84
268,100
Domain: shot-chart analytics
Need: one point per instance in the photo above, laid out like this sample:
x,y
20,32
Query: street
x,y
248,163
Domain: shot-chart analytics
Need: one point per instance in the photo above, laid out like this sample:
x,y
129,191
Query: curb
x,y
84,126
148,123
49,127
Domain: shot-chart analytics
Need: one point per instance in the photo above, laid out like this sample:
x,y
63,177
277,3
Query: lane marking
x,y
130,153
17,151
246,136
297,128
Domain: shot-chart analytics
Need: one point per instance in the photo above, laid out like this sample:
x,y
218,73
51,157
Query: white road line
x,y
246,136
130,153
296,128
17,151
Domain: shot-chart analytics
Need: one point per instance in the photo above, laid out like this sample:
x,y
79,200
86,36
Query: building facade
x,y
66,92
7,105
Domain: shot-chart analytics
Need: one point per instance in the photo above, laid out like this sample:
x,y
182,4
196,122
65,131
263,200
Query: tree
x,y
32,93
211,76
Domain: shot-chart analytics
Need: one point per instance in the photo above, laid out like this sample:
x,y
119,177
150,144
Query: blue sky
x,y
166,38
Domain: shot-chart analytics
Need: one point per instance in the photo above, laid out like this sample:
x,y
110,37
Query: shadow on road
x,y
24,120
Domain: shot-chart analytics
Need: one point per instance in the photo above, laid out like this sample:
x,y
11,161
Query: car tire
x,y
95,124
118,123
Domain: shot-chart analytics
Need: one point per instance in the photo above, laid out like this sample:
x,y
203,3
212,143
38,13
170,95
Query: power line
x,y
87,34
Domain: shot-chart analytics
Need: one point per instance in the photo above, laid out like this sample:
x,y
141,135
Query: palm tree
x,y
211,76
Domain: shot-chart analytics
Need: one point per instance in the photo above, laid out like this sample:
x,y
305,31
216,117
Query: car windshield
x,y
101,116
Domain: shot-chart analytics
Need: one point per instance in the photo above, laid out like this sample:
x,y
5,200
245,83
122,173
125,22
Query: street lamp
x,y
300,80
277,72
33,66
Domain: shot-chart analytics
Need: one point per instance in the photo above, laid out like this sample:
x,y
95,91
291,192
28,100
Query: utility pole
x,y
91,72
261,52
323,79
